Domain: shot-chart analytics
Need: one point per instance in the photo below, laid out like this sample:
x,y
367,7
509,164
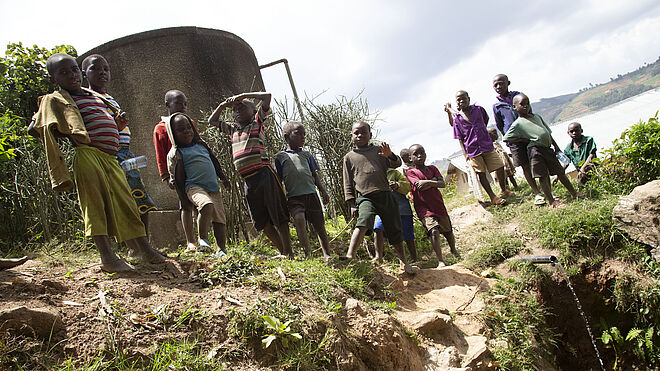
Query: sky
x,y
406,58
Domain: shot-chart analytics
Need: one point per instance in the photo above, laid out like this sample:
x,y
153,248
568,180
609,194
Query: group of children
x,y
529,139
115,203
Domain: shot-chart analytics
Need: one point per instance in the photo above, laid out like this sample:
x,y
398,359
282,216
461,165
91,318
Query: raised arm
x,y
451,113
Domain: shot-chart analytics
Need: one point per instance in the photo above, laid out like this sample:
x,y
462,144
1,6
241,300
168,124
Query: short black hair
x,y
55,59
361,122
289,126
90,59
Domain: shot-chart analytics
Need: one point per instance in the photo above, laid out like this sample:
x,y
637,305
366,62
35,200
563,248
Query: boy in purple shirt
x,y
505,115
469,124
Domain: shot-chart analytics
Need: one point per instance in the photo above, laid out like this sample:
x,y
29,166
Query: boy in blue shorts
x,y
298,171
103,193
529,128
400,188
194,171
368,193
263,190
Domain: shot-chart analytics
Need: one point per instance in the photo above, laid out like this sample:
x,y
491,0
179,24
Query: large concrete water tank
x,y
207,65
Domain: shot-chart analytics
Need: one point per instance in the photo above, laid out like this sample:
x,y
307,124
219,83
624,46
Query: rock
x,y
655,253
431,323
55,285
353,306
40,322
11,263
449,358
639,213
478,356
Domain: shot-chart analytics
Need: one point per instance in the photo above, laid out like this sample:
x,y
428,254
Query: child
x,y
175,102
367,191
470,129
509,169
299,173
194,171
103,193
405,158
505,115
428,201
264,193
581,150
531,129
400,188
97,71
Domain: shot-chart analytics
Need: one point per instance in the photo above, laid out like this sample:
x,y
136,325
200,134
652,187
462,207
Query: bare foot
x,y
456,254
116,265
150,255
407,268
441,264
556,204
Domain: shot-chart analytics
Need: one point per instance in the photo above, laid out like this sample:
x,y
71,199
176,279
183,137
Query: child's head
x,y
462,99
575,130
493,134
501,84
182,130
417,155
176,101
360,133
294,134
97,71
64,72
244,111
405,156
521,104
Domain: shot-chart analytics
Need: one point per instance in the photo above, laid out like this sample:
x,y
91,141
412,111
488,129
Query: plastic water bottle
x,y
134,163
563,159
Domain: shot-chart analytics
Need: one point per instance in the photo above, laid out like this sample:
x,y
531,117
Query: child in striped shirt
x,y
264,193
103,193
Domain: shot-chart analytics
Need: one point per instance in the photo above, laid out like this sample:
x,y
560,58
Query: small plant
x,y
278,330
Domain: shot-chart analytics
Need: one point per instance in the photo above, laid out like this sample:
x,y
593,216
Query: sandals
x,y
506,194
498,201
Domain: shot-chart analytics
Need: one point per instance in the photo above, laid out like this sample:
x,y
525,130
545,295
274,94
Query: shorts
x,y
519,153
442,223
407,226
383,204
486,162
544,162
266,199
107,207
201,197
308,204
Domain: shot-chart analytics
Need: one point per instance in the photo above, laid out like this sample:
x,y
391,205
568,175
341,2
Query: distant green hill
x,y
567,106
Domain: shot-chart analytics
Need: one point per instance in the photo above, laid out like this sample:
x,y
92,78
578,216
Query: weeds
x,y
496,247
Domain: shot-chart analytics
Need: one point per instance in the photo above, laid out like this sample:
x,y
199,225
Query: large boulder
x,y
638,213
39,322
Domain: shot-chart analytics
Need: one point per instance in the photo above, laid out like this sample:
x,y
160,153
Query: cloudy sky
x,y
408,57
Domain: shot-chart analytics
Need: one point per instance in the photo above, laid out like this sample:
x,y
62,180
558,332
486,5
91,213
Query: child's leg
x,y
501,178
285,235
144,251
451,241
300,223
412,249
220,234
356,240
513,182
274,237
435,243
401,254
567,183
544,181
109,261
486,185
379,241
204,218
527,172
319,227
187,224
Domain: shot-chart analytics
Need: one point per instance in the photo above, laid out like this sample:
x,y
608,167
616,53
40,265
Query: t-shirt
x,y
247,144
428,202
365,171
393,175
125,133
473,133
199,168
504,113
162,146
100,124
534,129
295,168
580,155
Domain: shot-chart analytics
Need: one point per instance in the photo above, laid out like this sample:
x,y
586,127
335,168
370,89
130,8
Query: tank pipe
x,y
293,86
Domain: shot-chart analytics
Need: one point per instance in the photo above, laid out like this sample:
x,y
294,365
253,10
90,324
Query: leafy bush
x,y
633,160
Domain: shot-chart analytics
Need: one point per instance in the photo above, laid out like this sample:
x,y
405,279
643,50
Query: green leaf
x,y
633,333
268,340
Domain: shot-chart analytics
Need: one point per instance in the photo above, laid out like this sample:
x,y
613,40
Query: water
x,y
584,316
134,163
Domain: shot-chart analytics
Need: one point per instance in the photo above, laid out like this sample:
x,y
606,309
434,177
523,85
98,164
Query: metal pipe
x,y
548,259
293,86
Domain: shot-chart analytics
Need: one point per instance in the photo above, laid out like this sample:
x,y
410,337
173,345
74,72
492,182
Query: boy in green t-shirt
x,y
581,150
531,128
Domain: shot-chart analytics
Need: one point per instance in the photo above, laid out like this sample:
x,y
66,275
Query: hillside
x,y
564,107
